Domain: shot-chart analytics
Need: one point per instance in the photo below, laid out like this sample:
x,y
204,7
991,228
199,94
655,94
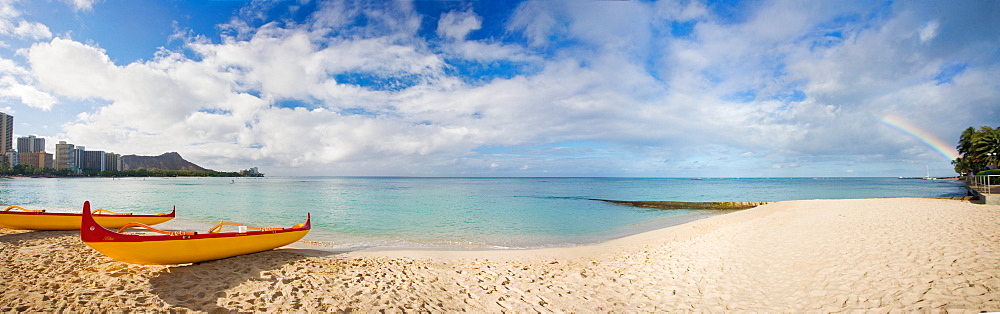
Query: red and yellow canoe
x,y
184,247
33,219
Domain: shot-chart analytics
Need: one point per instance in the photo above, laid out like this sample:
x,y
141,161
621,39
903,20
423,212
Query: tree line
x,y
31,171
979,149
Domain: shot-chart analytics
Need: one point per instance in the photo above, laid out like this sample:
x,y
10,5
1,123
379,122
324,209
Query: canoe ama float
x,y
32,219
184,247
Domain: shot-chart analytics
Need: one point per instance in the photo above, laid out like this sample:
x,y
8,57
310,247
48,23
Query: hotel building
x,y
38,160
30,144
31,151
113,161
66,157
7,154
92,160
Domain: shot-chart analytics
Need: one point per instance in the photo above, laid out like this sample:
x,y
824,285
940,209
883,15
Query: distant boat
x,y
928,175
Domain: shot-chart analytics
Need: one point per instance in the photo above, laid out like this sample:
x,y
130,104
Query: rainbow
x,y
946,150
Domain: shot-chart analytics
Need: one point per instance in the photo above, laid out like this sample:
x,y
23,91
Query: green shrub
x,y
989,172
990,180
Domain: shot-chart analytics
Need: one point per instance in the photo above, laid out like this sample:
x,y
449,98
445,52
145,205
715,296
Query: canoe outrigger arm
x,y
24,209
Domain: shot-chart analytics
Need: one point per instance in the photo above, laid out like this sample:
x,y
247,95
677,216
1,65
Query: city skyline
x,y
31,150
522,88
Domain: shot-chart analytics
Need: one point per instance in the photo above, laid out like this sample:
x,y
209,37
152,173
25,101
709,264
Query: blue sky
x,y
507,88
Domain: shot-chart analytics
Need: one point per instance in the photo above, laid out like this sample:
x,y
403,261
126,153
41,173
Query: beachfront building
x,y
10,158
113,161
38,160
30,144
78,157
252,172
92,160
7,139
31,151
66,157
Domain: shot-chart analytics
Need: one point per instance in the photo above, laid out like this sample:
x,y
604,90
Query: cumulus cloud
x,y
204,109
13,24
16,82
668,88
29,95
72,69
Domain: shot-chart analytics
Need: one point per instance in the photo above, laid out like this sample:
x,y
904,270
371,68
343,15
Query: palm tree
x,y
962,165
980,149
965,141
988,146
966,163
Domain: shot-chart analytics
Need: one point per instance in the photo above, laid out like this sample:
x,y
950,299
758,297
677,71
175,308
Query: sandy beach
x,y
795,256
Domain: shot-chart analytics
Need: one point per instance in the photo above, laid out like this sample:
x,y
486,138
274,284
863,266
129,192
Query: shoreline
x,y
590,240
643,239
904,254
659,232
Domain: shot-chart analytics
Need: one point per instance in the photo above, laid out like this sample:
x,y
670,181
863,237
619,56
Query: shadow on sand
x,y
14,237
76,267
199,286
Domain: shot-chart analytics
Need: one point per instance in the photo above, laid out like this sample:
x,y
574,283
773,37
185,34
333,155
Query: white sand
x,y
827,255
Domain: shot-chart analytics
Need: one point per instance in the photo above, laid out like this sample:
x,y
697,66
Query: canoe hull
x,y
183,248
71,221
183,251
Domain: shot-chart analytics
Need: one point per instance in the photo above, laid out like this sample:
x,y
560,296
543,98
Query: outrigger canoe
x,y
34,219
170,248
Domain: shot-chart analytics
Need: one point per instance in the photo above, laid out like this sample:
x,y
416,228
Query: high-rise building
x,y
30,144
6,132
38,160
10,158
78,158
65,157
7,139
112,161
93,160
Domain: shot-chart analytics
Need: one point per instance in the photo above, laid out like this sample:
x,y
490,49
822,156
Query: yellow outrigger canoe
x,y
184,247
34,219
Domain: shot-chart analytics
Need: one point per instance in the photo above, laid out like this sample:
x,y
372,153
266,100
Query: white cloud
x,y
200,109
455,27
787,86
929,31
82,5
479,51
29,30
458,25
537,20
287,63
16,82
12,24
681,11
72,69
29,95
146,102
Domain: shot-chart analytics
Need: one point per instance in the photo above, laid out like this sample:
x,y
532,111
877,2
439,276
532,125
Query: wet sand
x,y
822,255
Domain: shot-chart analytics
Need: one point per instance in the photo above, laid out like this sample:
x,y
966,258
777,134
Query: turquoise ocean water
x,y
451,213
